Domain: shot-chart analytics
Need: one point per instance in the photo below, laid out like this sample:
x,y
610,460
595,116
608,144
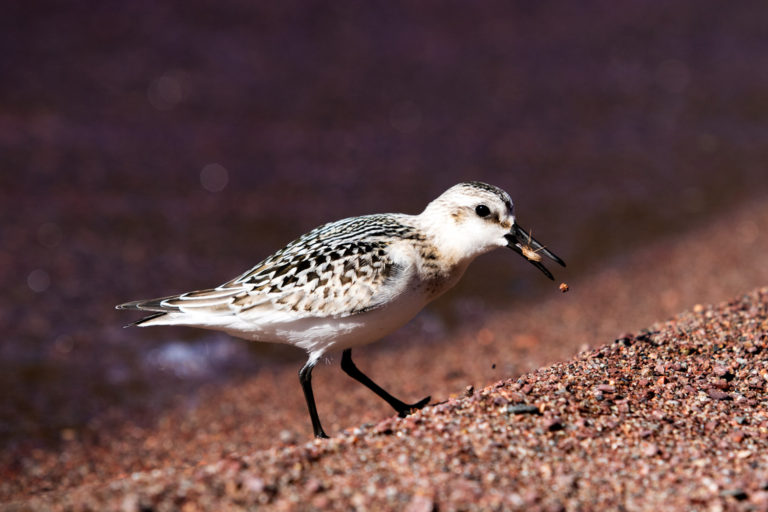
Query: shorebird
x,y
350,282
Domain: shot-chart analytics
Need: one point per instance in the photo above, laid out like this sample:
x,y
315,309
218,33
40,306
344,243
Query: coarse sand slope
x,y
641,415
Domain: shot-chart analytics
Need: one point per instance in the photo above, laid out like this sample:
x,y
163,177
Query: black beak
x,y
520,241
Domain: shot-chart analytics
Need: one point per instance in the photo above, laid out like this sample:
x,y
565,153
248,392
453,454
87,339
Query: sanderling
x,y
351,282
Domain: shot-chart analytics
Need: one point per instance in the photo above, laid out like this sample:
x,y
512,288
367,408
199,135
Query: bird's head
x,y
473,218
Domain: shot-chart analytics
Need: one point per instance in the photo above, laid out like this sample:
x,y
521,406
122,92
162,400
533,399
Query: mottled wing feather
x,y
338,269
340,279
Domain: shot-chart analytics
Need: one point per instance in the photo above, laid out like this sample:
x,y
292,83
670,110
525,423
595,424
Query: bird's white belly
x,y
320,335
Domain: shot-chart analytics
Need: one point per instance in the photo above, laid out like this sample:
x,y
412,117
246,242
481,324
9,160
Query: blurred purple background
x,y
153,148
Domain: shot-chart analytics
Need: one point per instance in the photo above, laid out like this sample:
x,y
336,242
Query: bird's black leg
x,y
402,408
305,378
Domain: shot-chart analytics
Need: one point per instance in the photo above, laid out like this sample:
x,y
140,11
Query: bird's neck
x,y
437,270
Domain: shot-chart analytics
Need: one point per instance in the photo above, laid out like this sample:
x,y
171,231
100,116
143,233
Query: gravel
x,y
672,417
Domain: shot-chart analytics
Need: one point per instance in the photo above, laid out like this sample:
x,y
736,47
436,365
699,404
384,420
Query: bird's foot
x,y
409,408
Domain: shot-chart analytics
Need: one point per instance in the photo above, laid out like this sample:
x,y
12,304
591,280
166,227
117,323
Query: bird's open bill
x,y
521,241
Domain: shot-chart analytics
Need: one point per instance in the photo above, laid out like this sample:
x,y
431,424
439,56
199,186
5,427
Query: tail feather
x,y
159,305
176,308
141,322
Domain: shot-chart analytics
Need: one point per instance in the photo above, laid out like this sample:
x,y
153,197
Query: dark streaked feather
x,y
338,269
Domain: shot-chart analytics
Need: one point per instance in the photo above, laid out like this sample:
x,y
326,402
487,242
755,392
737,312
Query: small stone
x,y
738,494
554,424
759,498
384,428
523,409
649,450
500,400
716,394
313,486
321,502
516,397
737,436
420,503
253,484
130,503
606,388
287,436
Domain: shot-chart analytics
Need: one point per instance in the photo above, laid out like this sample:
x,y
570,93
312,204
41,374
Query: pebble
x,y
737,494
523,409
650,450
554,424
717,394
420,503
606,388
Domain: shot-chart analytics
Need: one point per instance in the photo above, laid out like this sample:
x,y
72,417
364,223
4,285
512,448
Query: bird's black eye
x,y
482,210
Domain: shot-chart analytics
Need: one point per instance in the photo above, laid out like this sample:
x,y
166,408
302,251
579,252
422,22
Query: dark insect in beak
x,y
520,241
